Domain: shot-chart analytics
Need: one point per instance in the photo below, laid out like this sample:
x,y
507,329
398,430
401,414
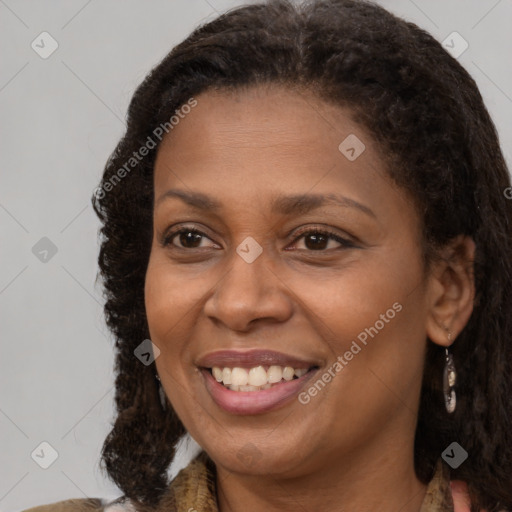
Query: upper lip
x,y
251,358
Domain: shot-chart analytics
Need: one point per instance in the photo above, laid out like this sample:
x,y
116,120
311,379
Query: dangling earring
x,y
161,393
449,380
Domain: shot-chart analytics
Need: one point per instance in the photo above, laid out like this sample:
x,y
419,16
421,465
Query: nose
x,y
248,294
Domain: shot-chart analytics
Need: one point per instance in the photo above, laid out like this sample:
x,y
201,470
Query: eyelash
x,y
168,238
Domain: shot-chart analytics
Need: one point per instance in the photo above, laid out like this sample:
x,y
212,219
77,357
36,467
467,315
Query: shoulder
x,y
84,505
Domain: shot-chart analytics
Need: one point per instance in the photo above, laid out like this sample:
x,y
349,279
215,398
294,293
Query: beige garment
x,y
193,490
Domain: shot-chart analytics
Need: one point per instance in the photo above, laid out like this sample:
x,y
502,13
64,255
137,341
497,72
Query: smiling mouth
x,y
256,378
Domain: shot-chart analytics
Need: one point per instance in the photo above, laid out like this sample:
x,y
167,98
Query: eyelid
x,y
170,233
344,242
326,231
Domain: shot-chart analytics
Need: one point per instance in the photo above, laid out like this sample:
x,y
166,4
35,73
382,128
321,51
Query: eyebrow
x,y
285,205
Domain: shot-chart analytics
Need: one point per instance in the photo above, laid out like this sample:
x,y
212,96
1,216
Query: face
x,y
274,247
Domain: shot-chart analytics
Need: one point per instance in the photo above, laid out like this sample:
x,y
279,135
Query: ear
x,y
451,291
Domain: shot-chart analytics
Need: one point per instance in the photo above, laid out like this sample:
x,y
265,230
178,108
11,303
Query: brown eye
x,y
186,238
318,240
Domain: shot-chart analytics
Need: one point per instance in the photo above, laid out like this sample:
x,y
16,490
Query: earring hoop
x,y
449,380
161,393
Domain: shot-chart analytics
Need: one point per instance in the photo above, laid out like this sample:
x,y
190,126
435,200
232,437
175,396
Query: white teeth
x,y
275,374
288,373
239,377
299,372
254,379
248,388
217,373
226,376
257,376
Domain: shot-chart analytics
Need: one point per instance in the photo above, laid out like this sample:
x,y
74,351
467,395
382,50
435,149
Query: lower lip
x,y
254,402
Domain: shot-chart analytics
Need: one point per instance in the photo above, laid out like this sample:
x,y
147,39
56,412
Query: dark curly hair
x,y
441,146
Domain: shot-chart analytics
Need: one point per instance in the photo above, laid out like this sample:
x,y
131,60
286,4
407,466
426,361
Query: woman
x,y
308,218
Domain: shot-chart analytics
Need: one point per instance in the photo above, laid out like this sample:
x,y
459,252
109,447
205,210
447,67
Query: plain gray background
x,y
61,117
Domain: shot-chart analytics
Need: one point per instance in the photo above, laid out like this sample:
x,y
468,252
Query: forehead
x,y
266,135
252,116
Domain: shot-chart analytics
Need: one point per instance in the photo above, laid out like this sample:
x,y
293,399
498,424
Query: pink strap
x,y
460,495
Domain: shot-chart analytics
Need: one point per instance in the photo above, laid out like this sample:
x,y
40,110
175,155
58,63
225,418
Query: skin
x,y
243,149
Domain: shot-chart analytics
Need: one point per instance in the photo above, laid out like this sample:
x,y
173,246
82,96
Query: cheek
x,y
170,293
172,301
374,319
370,294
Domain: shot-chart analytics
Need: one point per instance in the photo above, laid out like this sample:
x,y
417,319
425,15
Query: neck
x,y
382,479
